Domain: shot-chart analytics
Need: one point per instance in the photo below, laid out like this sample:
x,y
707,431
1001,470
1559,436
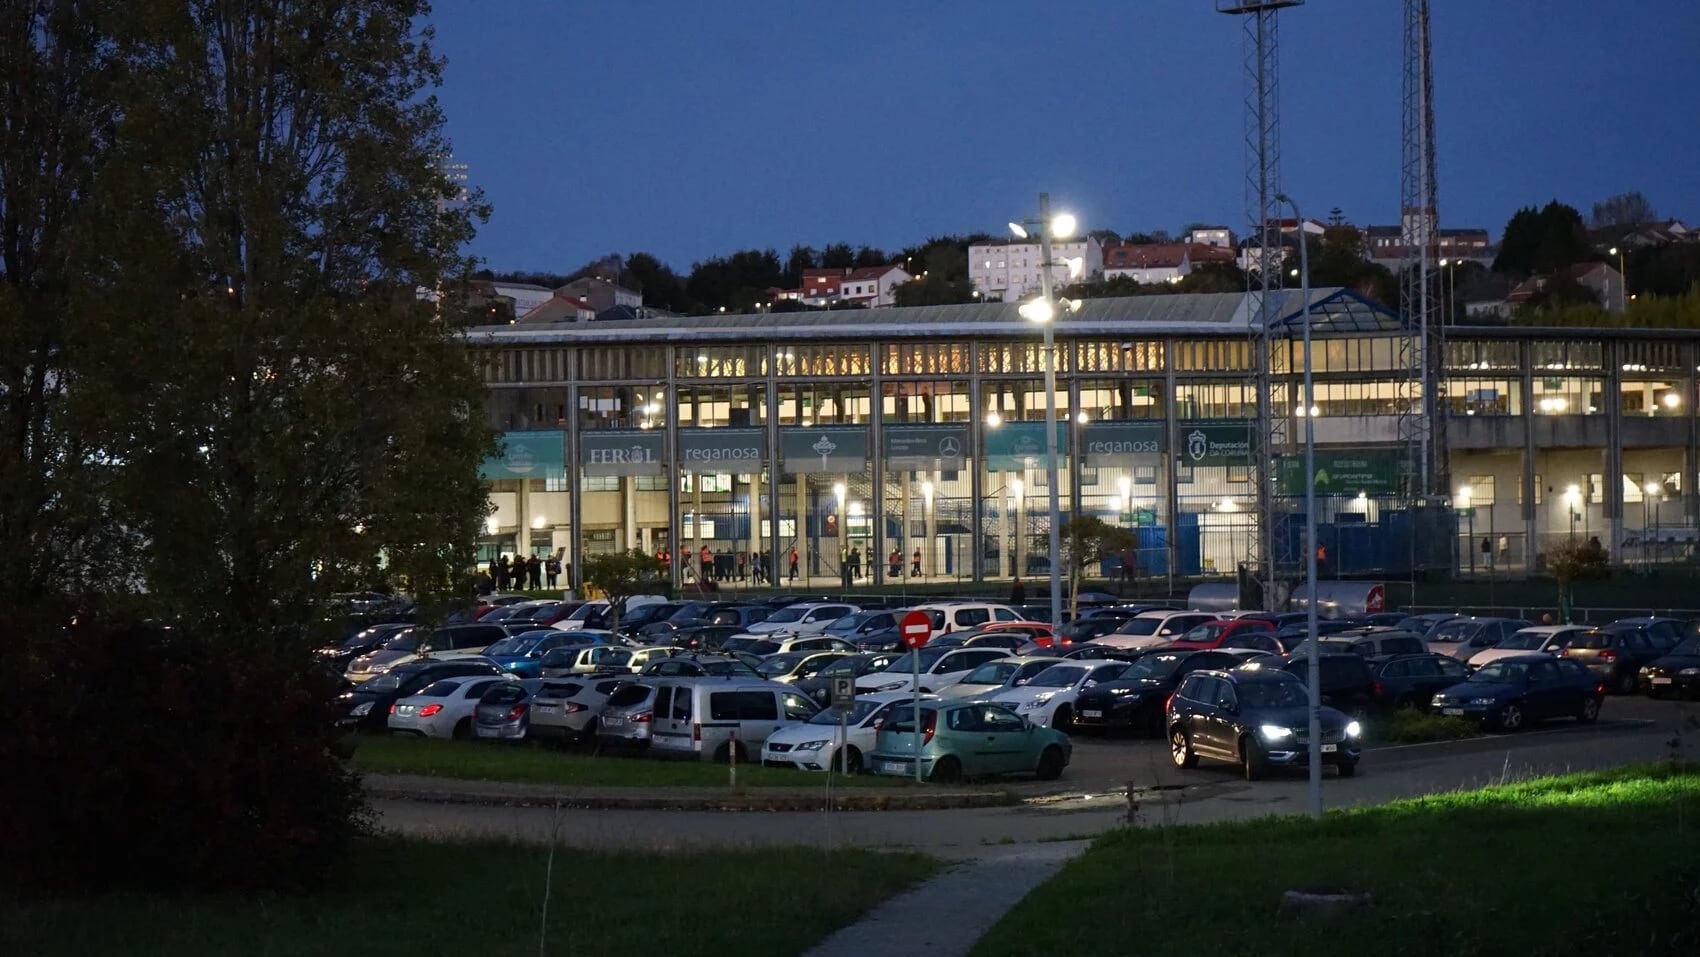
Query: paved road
x,y
1634,730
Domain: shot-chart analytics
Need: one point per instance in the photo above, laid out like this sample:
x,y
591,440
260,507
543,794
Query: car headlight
x,y
1438,699
361,710
1484,701
1353,729
811,746
1275,732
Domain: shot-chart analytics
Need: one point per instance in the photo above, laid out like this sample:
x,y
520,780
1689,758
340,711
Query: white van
x,y
716,717
949,616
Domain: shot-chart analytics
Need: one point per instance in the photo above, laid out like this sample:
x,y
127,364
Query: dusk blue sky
x,y
691,128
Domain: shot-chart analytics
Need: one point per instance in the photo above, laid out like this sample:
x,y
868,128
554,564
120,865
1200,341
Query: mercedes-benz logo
x,y
949,448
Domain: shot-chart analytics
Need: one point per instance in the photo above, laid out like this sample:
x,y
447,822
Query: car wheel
x,y
947,770
1180,749
1626,683
1063,719
1590,710
463,729
1348,770
848,761
1050,764
1511,717
1251,760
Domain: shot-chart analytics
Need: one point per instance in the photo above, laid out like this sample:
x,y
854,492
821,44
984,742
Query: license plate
x,y
893,767
1330,748
1451,710
1661,681
547,708
1091,714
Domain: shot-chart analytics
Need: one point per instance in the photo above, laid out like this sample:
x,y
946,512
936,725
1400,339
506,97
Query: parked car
x,y
807,618
628,716
1423,623
1229,633
584,660
1664,633
338,656
1677,672
961,739
998,675
694,665
886,639
940,668
1154,628
1095,650
1511,692
522,654
705,637
784,644
633,620
441,709
1048,698
858,625
504,713
1087,629
793,666
814,745
367,705
449,641
1547,638
1134,699
1347,683
1379,642
819,687
1464,638
1412,680
1615,654
983,639
949,616
570,709
736,614
1293,634
1258,720
713,718
1381,619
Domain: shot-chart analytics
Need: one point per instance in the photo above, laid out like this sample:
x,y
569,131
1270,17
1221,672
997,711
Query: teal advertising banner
x,y
1349,471
824,449
926,447
737,451
1119,444
1215,445
622,453
528,455
1014,446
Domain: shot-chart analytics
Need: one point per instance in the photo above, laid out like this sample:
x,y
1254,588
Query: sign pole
x,y
915,629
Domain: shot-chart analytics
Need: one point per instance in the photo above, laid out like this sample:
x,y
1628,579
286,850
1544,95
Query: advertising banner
x,y
926,447
1119,444
1215,445
738,451
622,453
528,455
830,449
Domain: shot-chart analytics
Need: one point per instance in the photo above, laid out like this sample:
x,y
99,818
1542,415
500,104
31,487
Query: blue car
x,y
1509,693
523,653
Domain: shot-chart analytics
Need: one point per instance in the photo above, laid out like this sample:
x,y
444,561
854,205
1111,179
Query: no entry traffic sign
x,y
916,627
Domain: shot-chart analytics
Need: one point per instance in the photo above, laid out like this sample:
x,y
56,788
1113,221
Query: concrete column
x,y
696,524
628,513
843,510
932,552
802,535
1171,449
522,509
874,562
1613,471
976,475
753,542
575,496
905,543
1531,512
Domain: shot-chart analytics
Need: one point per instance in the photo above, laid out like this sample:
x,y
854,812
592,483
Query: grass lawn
x,y
1596,864
1414,725
411,898
533,764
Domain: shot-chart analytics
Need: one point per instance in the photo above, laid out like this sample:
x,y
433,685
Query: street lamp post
x,y
1044,312
1313,666
1622,276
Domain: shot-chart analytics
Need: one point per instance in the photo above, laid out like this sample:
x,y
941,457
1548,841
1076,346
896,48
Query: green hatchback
x,y
965,740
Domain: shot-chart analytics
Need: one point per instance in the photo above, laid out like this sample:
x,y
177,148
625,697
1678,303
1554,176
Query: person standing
x,y
536,567
915,564
855,563
553,567
793,573
1017,593
705,563
894,563
502,572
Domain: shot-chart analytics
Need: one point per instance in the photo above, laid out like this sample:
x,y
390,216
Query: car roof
x,y
1246,674
1527,657
1549,629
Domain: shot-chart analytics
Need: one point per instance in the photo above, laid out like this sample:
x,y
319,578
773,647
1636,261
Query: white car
x,y
1153,628
1551,639
443,708
997,676
569,707
812,745
584,660
1048,699
950,616
807,618
940,668
769,645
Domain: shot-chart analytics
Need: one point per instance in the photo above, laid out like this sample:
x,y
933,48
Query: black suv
x,y
1256,719
1347,683
1135,700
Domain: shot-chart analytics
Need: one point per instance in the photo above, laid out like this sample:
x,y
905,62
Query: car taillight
x,y
574,707
1169,704
516,712
392,709
1565,653
696,731
1378,689
1608,656
1600,688
430,710
641,718
932,725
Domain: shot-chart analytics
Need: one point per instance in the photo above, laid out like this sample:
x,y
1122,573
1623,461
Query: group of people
x,y
522,572
724,565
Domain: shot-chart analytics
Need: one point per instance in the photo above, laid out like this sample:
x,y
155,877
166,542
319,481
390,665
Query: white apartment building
x,y
1009,271
1220,236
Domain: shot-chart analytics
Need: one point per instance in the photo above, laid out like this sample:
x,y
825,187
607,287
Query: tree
x,y
837,256
1624,209
1542,241
619,576
1571,561
1086,541
1212,277
799,260
945,263
870,256
658,283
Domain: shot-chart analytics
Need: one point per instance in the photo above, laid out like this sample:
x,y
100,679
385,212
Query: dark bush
x,y
141,756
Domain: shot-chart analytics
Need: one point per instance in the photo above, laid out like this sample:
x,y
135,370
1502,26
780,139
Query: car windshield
x,y
902,717
1154,667
1140,626
846,626
1524,641
439,689
359,639
780,664
1453,631
906,664
405,642
1273,694
1688,646
991,673
721,668
1057,676
510,646
1503,672
829,716
761,648
784,615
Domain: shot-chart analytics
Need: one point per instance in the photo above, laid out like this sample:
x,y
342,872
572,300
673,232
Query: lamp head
x,y
1037,310
1019,231
1063,226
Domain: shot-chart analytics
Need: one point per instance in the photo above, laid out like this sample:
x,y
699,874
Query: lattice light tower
x,y
1419,423
1263,278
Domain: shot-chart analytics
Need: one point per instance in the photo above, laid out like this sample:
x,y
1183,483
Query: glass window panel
x,y
1568,395
1470,396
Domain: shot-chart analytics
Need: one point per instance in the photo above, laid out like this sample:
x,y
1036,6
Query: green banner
x,y
1014,446
622,452
824,449
1349,471
528,455
1113,444
1215,445
735,451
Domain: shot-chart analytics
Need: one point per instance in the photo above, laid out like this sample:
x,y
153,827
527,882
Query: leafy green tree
x,y
1212,277
620,575
1088,540
800,258
870,256
1571,561
837,256
658,283
1542,241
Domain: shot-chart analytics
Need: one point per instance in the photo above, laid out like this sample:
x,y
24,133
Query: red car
x,y
1230,633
